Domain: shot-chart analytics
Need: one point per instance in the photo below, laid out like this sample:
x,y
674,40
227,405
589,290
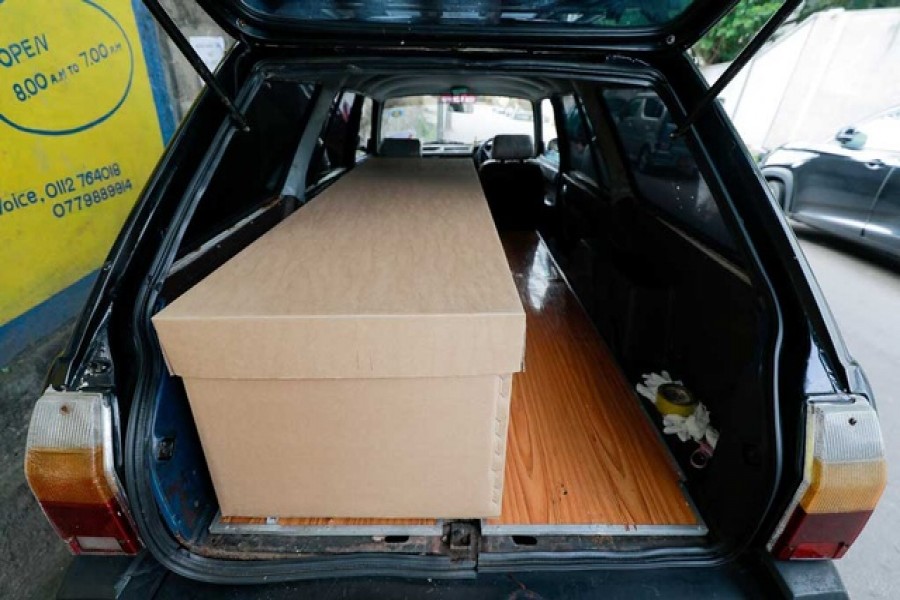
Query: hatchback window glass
x,y
563,13
663,168
455,118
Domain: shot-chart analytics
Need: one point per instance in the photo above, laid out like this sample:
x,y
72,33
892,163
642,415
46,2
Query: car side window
x,y
581,152
633,108
653,109
331,150
664,170
235,190
365,130
338,129
548,133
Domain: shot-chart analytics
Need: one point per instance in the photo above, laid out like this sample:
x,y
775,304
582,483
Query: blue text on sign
x,y
12,54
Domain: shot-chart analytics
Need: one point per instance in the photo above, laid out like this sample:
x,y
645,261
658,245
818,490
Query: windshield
x,y
455,119
568,13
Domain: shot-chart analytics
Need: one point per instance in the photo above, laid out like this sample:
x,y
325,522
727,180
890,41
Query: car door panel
x,y
546,128
882,229
550,170
835,191
580,207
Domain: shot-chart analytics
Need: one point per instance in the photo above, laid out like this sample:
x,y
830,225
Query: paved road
x,y
864,295
32,559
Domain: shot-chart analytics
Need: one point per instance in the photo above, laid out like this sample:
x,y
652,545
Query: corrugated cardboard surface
x,y
394,271
355,447
355,360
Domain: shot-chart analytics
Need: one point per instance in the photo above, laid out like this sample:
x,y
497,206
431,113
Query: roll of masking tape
x,y
675,399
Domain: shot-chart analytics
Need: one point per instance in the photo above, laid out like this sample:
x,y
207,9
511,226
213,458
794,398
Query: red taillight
x,y
844,476
70,469
819,536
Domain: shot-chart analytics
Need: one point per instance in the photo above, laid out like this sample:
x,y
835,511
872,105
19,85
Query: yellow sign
x,y
79,136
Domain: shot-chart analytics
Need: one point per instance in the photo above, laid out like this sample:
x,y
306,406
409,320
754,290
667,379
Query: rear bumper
x,y
143,577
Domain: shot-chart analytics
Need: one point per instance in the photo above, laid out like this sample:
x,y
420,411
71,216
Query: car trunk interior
x,y
613,288
582,457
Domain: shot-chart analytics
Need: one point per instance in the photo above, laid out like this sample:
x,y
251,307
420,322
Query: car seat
x,y
513,183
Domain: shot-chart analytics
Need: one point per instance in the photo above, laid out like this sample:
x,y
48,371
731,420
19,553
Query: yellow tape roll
x,y
675,399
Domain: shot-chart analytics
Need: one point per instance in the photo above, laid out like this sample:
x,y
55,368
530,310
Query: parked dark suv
x,y
692,276
848,186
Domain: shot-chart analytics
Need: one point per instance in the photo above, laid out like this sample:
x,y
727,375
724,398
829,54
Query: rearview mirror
x,y
851,138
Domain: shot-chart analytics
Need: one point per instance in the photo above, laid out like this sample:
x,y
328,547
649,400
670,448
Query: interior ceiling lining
x,y
382,86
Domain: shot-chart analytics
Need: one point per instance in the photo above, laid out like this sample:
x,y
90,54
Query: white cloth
x,y
651,384
695,427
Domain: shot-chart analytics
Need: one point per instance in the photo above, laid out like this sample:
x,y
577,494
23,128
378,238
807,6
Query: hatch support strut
x,y
737,64
169,26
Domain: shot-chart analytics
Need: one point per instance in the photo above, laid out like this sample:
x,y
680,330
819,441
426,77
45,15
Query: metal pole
x,y
169,26
737,64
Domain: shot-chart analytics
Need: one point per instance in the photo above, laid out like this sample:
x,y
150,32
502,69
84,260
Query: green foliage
x,y
723,42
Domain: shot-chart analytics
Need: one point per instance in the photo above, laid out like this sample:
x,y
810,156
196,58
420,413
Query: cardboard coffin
x,y
355,361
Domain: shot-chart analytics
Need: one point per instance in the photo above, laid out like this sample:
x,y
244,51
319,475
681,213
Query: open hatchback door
x,y
498,24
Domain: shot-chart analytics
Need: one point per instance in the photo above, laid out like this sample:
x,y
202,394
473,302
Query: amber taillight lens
x,y
70,469
844,475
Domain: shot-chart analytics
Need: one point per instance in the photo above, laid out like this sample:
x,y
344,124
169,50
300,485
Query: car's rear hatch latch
x,y
462,539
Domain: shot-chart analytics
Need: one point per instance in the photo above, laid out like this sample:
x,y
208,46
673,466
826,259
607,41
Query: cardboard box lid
x,y
396,270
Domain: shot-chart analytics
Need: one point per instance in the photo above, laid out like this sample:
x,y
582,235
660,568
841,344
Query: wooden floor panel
x,y
580,449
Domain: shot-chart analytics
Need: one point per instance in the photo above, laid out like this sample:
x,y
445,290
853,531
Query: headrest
x,y
511,147
400,147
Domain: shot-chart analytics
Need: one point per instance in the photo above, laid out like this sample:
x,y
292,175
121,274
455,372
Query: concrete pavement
x,y
864,295
32,558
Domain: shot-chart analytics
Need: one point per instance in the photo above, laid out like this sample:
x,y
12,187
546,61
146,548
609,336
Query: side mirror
x,y
553,145
851,138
